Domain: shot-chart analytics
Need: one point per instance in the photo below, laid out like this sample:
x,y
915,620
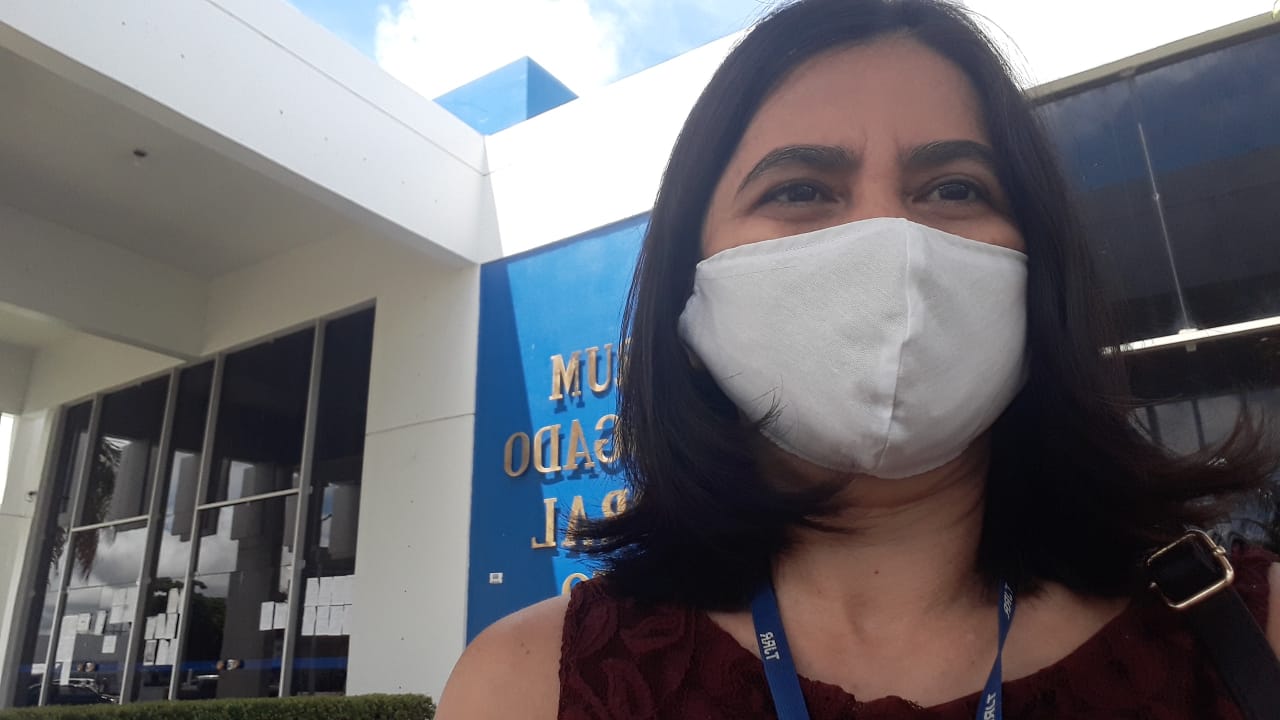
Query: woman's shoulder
x,y
511,669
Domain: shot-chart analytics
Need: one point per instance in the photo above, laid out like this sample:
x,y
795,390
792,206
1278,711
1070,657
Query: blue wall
x,y
506,96
553,301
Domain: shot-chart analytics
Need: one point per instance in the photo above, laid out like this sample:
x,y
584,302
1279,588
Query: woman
x,y
865,409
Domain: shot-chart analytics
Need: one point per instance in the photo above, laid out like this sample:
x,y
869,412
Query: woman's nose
x,y
876,202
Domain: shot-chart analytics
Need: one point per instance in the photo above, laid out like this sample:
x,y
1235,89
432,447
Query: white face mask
x,y
886,346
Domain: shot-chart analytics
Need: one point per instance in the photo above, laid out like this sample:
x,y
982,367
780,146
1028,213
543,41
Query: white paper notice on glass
x,y
109,644
149,631
171,626
266,615
116,615
66,648
99,623
346,619
162,652
326,592
309,621
312,596
162,624
281,616
174,602
83,622
149,652
322,620
342,590
334,625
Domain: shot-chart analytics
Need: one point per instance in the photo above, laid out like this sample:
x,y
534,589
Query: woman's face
x,y
886,129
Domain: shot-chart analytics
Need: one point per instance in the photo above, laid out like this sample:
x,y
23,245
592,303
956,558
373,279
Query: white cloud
x,y
1053,40
435,46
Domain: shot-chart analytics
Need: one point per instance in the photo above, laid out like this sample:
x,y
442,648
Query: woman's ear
x,y
695,362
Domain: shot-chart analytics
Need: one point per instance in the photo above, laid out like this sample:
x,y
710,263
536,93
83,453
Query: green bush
x,y
355,707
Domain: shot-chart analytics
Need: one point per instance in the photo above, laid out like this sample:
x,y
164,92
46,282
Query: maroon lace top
x,y
624,660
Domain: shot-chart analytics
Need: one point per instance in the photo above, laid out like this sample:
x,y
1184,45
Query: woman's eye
x,y
956,191
798,193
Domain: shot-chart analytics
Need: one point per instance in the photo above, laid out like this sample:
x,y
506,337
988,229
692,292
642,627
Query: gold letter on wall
x,y
577,516
578,448
540,454
569,582
507,455
565,376
615,502
593,368
603,457
549,531
623,348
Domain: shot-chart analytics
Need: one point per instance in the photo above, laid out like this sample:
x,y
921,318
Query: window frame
x,y
46,505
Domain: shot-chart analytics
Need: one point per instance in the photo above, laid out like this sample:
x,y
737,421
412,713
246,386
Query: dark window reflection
x,y
1096,135
320,661
258,445
1247,364
236,632
125,453
47,580
164,595
1213,131
1195,399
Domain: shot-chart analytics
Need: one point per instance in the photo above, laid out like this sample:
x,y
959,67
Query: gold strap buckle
x,y
1194,537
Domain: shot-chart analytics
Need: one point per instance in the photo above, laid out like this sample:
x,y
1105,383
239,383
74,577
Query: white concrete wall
x,y
82,365
15,368
26,466
98,287
415,506
240,77
610,147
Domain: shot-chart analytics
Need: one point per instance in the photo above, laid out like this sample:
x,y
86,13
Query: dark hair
x,y
1076,493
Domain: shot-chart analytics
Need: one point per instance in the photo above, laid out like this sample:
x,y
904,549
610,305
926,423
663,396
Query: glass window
x,y
320,658
235,636
230,620
1197,395
1218,415
1096,134
1211,124
261,414
128,438
99,609
102,593
164,596
47,575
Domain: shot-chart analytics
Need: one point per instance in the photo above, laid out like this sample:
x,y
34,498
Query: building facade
x,y
311,377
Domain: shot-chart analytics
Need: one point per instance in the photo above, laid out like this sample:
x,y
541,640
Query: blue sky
x,y
640,33
351,20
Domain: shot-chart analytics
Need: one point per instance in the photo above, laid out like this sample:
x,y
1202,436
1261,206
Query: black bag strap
x,y
1193,576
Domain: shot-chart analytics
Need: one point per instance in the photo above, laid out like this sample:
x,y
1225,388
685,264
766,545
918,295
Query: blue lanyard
x,y
784,683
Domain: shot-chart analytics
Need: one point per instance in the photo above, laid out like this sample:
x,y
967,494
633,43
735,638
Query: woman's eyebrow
x,y
936,154
819,157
